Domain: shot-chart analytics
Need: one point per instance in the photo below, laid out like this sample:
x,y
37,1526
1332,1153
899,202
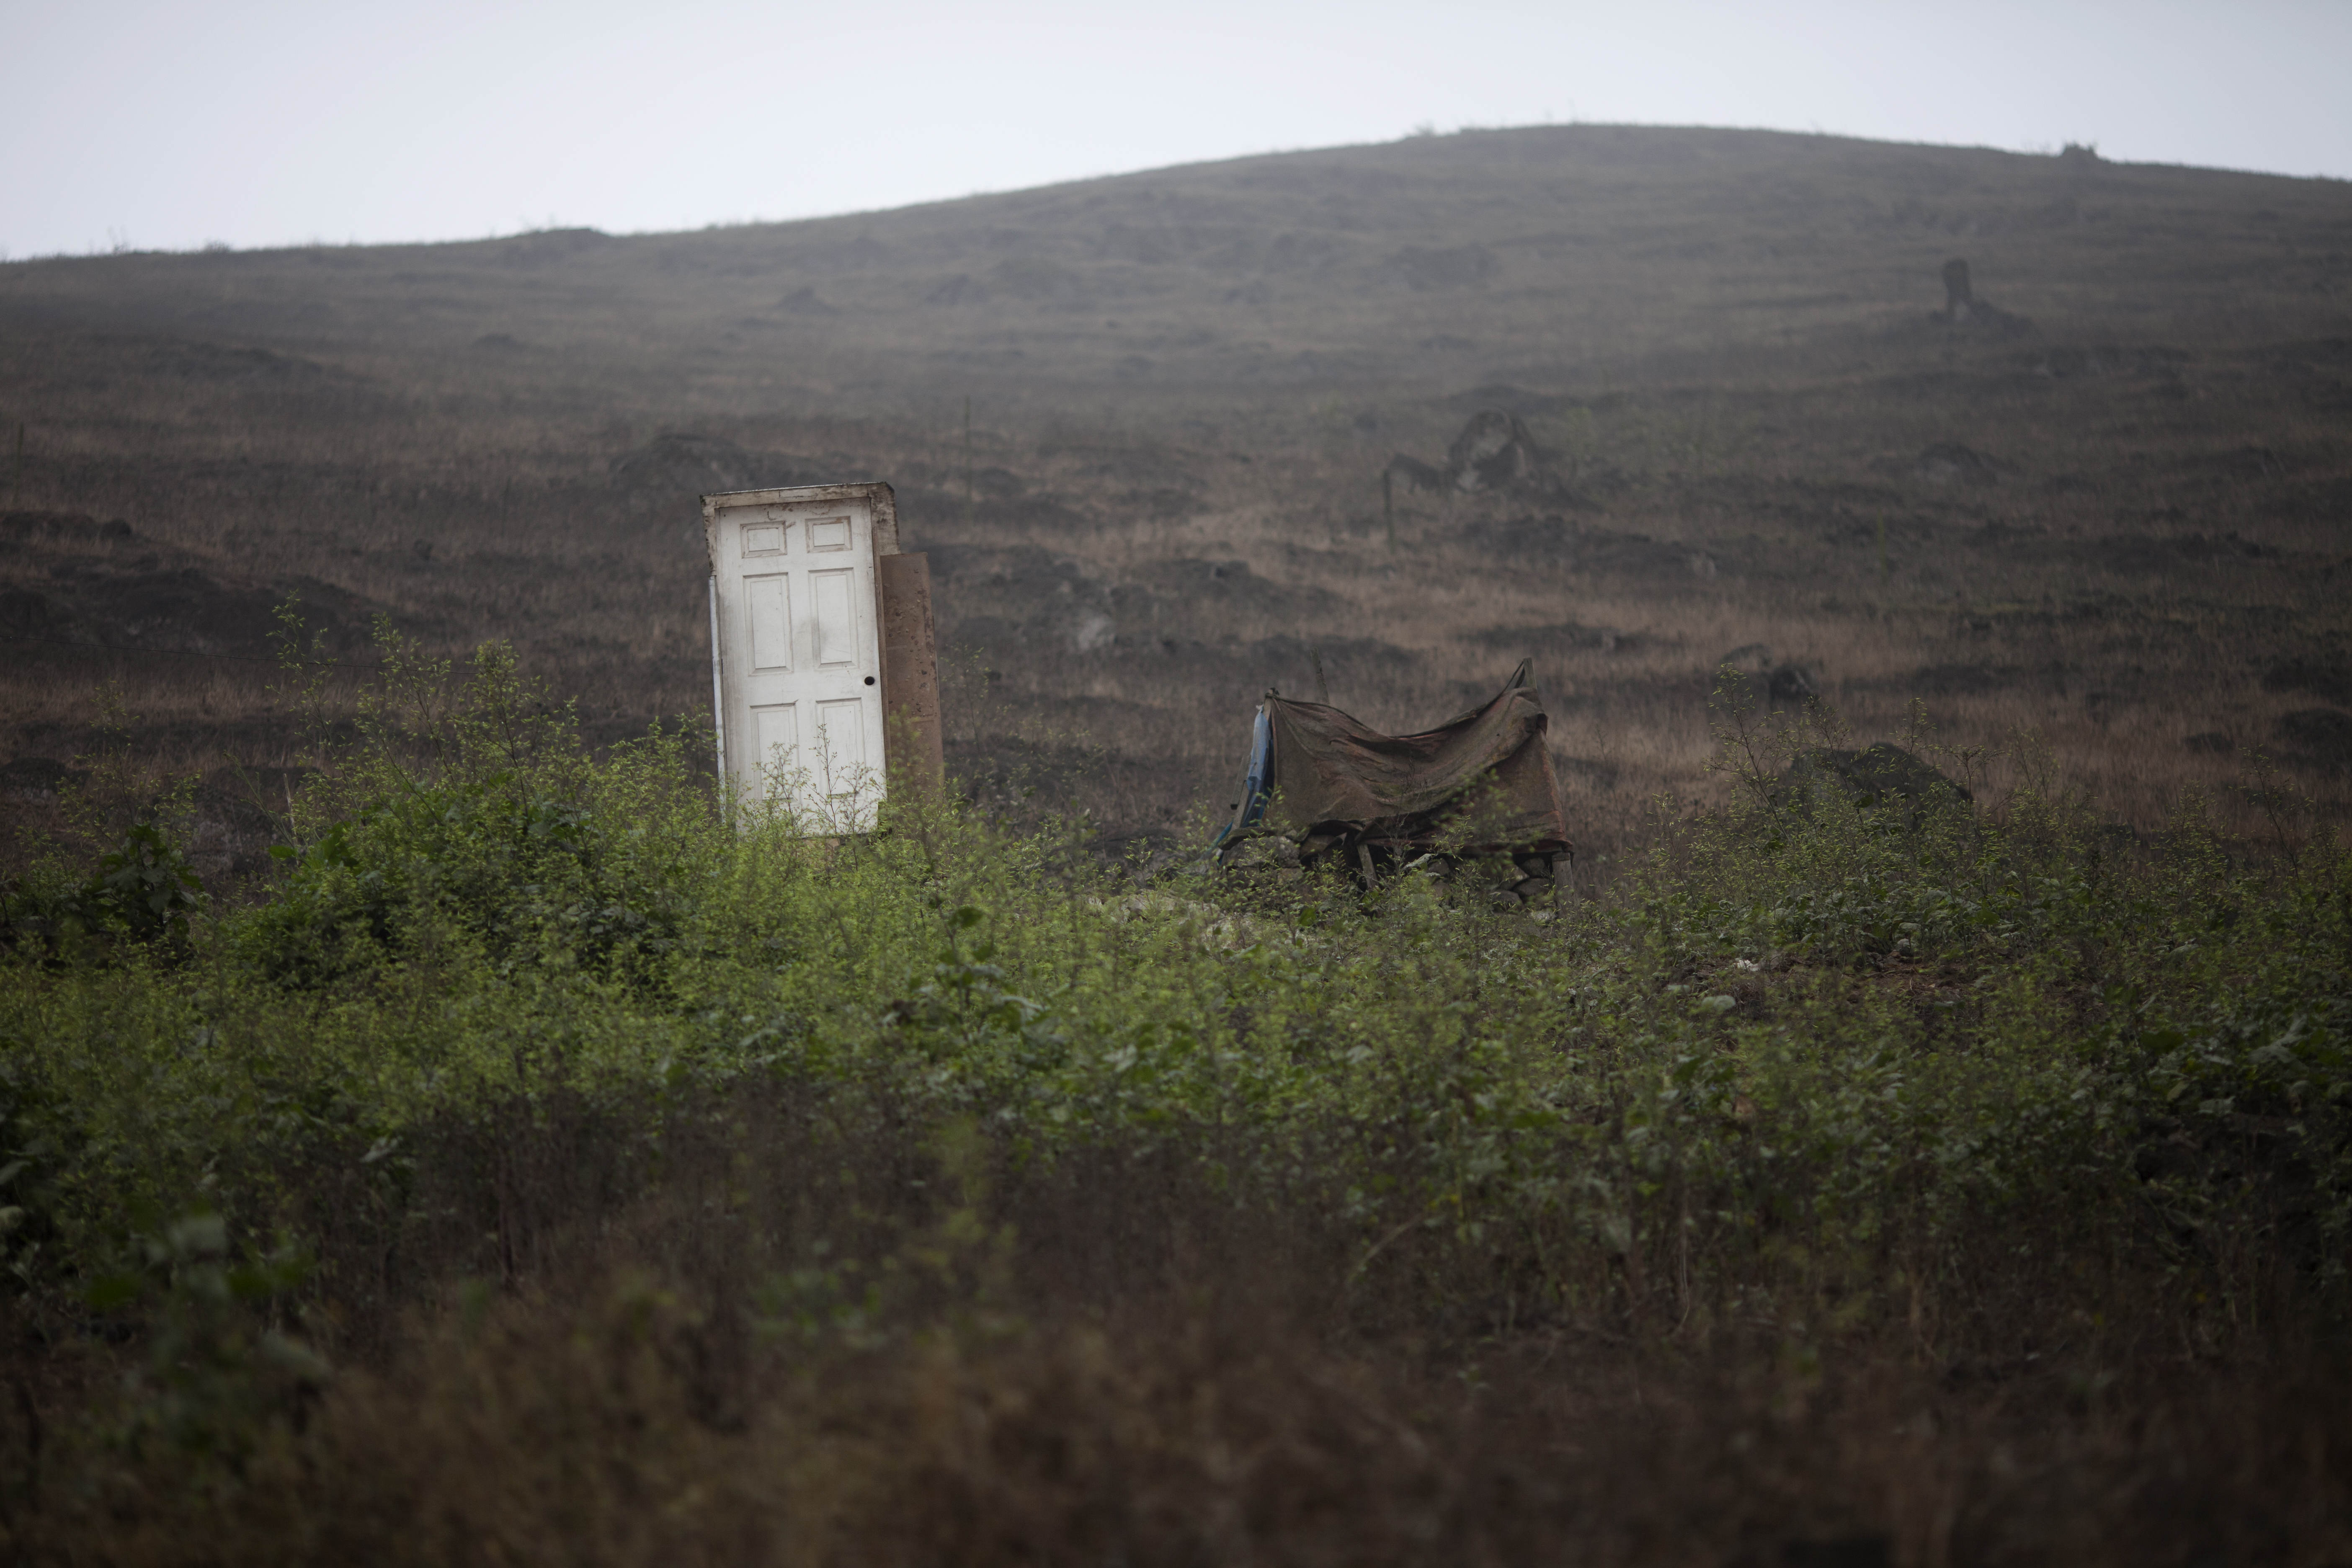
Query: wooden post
x,y
911,677
1958,297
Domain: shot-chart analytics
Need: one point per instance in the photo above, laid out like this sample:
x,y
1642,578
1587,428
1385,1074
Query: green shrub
x,y
1824,1034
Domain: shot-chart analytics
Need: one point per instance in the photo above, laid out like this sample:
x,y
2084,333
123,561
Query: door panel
x,y
770,603
836,618
776,732
841,746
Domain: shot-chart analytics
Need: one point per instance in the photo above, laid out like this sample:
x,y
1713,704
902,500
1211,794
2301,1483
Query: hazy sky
x,y
258,122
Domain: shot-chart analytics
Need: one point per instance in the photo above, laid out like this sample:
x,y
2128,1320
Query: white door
x,y
803,660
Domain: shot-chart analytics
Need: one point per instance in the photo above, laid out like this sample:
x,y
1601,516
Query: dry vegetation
x,y
1725,340
2094,543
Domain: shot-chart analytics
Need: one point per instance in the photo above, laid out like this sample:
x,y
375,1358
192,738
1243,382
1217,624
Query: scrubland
x,y
432,1134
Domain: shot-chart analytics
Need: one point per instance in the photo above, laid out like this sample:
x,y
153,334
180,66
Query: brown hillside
x,y
2108,507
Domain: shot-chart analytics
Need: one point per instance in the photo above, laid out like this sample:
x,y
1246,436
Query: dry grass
x,y
1722,337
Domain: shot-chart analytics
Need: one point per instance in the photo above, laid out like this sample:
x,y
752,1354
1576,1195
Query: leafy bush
x,y
1816,1068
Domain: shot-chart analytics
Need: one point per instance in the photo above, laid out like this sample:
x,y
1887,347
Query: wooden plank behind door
x,y
910,675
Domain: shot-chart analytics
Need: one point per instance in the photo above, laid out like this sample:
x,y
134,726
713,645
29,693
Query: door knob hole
x,y
869,681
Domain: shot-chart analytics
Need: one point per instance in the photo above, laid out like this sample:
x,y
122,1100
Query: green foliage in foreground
x,y
1867,1037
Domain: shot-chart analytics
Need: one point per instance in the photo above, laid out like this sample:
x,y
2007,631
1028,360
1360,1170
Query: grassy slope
x,y
1725,334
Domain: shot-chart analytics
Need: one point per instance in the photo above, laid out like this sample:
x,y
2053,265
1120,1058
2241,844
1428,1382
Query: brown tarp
x,y
1482,782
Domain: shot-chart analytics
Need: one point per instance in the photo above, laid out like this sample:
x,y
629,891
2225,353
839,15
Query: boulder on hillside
x,y
1880,778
